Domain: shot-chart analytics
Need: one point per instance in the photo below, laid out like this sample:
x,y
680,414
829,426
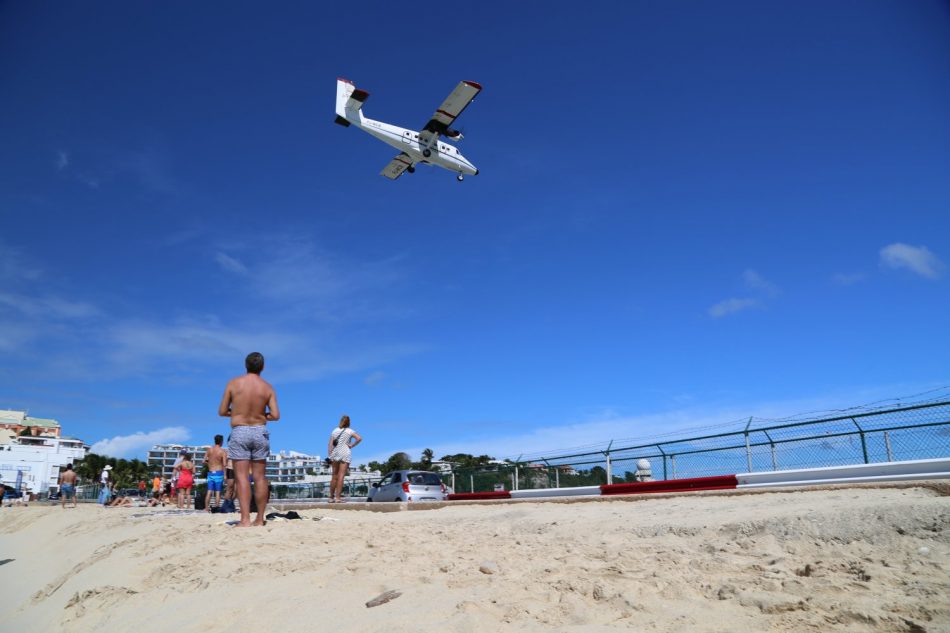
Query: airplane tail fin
x,y
349,100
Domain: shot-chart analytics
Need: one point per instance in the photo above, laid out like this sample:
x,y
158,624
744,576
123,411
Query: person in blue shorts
x,y
216,458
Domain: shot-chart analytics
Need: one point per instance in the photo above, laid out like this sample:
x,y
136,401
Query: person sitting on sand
x,y
186,478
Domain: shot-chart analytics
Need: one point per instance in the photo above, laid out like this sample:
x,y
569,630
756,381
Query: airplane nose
x,y
476,172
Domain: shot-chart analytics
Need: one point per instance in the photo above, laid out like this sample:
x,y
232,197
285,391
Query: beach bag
x,y
227,506
337,438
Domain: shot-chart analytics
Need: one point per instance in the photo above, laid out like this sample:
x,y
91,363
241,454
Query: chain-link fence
x,y
906,433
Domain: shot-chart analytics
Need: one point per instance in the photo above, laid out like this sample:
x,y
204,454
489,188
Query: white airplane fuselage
x,y
440,153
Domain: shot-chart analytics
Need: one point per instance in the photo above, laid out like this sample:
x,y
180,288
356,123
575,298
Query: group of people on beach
x,y
250,402
220,478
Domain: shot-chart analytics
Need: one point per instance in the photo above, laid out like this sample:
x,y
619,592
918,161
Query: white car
x,y
409,486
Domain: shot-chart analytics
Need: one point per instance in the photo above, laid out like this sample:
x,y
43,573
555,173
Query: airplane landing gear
x,y
411,170
427,152
460,177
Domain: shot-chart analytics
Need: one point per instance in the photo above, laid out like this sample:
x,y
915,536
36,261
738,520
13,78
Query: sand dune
x,y
847,559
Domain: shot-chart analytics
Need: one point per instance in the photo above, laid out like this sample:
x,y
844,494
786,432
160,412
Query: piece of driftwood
x,y
383,598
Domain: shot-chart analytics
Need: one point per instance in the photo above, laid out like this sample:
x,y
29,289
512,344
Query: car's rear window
x,y
424,479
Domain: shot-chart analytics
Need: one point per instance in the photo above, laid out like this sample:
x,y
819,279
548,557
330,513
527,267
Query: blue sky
x,y
687,213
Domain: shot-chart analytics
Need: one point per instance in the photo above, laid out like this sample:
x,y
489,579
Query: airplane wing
x,y
397,166
450,109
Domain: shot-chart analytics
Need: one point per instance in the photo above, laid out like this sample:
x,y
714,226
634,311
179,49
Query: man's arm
x,y
224,409
273,413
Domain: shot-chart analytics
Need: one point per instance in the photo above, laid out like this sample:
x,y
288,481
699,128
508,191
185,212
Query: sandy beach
x,y
843,559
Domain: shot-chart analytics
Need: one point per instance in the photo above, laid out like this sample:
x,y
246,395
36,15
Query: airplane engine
x,y
455,135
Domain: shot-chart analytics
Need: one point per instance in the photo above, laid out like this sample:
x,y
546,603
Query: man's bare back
x,y
250,401
68,477
216,457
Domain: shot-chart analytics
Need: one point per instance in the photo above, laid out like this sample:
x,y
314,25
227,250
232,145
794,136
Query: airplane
x,y
422,147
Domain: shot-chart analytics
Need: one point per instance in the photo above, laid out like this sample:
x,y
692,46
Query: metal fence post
x,y
471,481
772,447
673,464
864,446
610,476
887,445
514,481
548,470
748,447
663,453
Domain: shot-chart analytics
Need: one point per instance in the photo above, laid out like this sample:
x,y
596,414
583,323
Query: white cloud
x,y
731,306
848,279
294,354
312,283
49,306
142,345
315,296
16,265
917,259
15,335
148,167
755,281
137,443
229,264
90,181
374,378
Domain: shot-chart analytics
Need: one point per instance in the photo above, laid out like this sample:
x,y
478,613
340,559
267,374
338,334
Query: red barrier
x,y
723,482
469,496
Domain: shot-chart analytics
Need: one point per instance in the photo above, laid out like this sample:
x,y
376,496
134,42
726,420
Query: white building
x,y
291,466
285,467
39,459
161,458
282,467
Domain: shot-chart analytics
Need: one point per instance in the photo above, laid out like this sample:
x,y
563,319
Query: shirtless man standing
x,y
215,457
250,402
67,485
